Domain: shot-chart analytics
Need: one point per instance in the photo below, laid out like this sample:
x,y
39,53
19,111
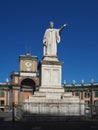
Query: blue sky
x,y
22,26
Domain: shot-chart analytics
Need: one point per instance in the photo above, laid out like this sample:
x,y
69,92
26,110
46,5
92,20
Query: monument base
x,y
54,105
51,99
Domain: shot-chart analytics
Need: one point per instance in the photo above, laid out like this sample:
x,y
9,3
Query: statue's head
x,y
51,24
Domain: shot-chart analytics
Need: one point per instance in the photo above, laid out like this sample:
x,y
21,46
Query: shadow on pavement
x,y
7,124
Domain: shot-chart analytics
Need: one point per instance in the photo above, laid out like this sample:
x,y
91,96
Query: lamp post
x,y
13,112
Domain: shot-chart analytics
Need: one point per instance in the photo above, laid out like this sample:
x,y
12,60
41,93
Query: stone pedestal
x,y
51,98
50,73
50,77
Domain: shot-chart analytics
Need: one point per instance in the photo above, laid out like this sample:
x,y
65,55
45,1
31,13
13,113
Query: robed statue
x,y
50,40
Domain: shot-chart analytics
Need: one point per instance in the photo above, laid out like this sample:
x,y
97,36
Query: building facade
x,y
88,92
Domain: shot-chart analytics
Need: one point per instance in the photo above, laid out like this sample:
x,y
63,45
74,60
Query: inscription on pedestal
x,y
51,77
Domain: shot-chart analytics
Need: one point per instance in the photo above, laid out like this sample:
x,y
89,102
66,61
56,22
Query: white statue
x,y
50,40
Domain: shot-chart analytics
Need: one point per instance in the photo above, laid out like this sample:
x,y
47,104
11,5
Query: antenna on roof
x,y
27,50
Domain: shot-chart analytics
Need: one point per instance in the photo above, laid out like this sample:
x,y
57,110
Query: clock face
x,y
28,64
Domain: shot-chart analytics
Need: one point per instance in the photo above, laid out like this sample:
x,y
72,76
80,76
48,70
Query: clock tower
x,y
28,63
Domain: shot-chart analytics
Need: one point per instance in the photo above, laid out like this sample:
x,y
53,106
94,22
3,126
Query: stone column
x,y
80,94
7,97
10,97
93,93
83,94
20,97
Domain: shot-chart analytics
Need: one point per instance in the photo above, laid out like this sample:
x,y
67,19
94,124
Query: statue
x,y
50,40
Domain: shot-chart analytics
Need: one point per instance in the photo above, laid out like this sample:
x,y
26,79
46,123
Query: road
x,y
7,124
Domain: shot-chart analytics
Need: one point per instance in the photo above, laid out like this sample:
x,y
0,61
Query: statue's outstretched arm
x,y
62,27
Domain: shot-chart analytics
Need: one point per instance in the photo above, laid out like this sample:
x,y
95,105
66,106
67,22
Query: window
x,y
2,94
87,94
77,93
96,94
2,102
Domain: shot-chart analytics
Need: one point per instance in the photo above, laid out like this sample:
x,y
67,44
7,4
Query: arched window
x,y
87,94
